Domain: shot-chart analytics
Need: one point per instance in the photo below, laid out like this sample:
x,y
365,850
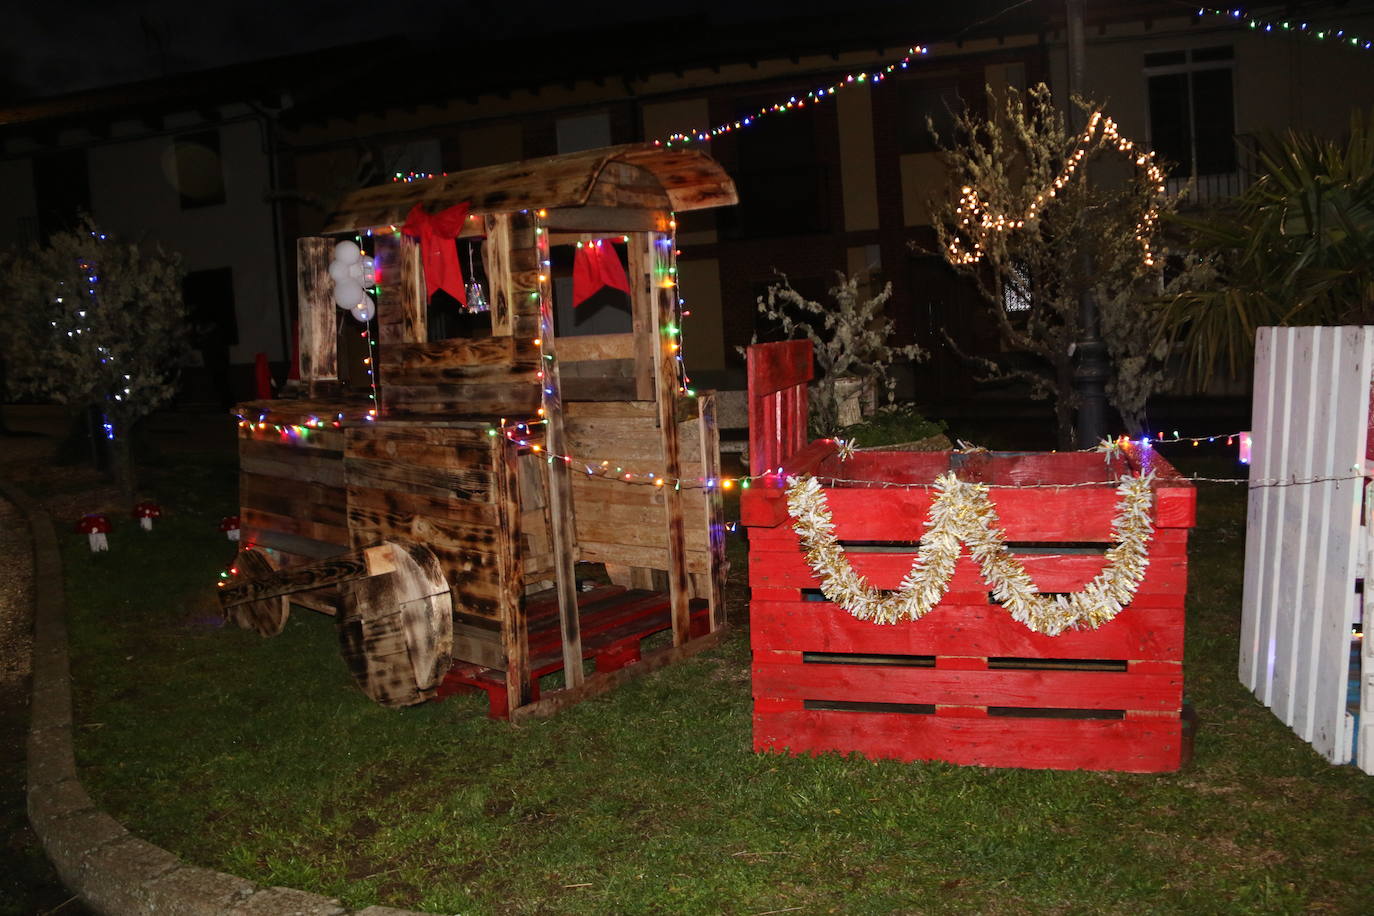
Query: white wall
x,y
1279,80
133,193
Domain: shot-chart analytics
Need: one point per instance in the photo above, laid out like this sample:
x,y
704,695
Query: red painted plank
x,y
761,506
778,373
544,605
775,594
899,513
811,626
1140,746
1089,508
945,686
1050,573
600,615
775,366
1166,542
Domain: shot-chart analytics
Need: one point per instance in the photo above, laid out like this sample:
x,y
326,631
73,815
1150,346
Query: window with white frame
x,y
1192,109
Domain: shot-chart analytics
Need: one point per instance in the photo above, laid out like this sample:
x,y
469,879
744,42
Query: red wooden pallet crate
x,y
966,683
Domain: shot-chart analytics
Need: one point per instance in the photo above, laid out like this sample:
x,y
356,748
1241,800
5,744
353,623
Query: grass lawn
x,y
259,757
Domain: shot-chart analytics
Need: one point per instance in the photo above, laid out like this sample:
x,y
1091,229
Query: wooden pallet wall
x,y
966,683
435,485
1307,539
460,378
293,500
622,522
294,484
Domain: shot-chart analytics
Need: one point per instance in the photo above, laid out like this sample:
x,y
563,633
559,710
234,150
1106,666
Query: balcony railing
x,y
1210,190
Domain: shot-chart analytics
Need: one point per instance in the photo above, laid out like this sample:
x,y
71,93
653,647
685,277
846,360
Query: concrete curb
x,y
111,870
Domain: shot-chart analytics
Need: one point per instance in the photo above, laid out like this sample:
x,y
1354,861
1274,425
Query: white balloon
x,y
369,271
348,293
338,270
355,271
364,310
347,252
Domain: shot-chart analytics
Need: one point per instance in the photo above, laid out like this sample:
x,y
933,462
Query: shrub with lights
x,y
95,322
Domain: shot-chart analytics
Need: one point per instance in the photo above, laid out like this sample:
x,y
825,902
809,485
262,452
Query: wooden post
x,y
318,328
715,508
641,309
778,373
401,314
660,290
561,522
515,625
496,259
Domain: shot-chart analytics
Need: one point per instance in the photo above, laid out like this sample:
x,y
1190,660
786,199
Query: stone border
x,y
110,869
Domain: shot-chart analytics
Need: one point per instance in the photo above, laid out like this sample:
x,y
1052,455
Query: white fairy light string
x,y
1101,132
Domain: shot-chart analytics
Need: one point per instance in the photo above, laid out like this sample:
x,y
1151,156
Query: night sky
x,y
61,47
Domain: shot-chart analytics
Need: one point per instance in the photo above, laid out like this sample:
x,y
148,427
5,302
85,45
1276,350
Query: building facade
x,y
843,185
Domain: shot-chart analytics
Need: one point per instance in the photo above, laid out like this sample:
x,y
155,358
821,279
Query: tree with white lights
x,y
1026,212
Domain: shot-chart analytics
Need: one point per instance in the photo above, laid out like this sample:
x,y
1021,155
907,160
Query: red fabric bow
x,y
596,265
438,254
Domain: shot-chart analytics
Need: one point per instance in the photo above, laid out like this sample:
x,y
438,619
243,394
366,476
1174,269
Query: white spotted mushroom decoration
x,y
353,273
95,527
145,512
230,526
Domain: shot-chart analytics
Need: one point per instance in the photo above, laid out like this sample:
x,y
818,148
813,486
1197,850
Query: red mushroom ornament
x,y
230,526
145,512
95,527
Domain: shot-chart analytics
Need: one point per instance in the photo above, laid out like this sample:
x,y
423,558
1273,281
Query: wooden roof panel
x,y
690,179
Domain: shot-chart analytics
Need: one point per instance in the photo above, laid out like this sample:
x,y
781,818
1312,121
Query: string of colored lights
x,y
814,97
523,434
672,330
1254,483
369,362
371,375
1337,36
92,281
972,210
779,481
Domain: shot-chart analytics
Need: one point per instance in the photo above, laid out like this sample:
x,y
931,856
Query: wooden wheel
x,y
266,615
396,628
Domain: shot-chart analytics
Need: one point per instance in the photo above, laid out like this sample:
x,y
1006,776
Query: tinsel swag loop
x,y
962,513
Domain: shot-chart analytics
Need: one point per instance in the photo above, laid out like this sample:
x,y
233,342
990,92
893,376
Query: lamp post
x,y
1090,353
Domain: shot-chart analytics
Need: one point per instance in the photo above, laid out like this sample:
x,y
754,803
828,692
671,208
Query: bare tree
x,y
849,340
1026,213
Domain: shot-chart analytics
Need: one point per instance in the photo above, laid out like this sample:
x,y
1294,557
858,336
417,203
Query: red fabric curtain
x,y
595,266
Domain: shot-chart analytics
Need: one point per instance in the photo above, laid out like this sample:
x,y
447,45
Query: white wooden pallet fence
x,y
1306,538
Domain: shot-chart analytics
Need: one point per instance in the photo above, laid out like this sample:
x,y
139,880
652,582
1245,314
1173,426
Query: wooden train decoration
x,y
447,508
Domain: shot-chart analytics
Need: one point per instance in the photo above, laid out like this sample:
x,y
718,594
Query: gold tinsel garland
x,y
963,513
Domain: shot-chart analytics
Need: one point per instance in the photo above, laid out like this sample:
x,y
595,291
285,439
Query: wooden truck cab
x,y
441,509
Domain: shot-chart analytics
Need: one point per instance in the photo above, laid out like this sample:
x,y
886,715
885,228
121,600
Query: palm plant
x,y
1297,247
